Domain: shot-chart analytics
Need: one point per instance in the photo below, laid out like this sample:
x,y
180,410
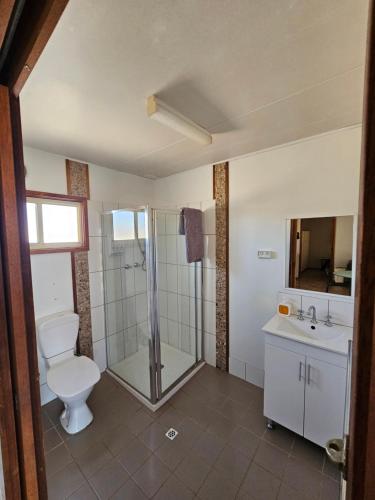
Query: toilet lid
x,y
70,377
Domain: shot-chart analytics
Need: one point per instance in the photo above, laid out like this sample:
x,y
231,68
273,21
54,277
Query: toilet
x,y
70,377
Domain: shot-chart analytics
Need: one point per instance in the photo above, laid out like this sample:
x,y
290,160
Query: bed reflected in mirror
x,y
321,254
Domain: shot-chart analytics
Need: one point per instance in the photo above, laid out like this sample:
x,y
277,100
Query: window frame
x,y
81,202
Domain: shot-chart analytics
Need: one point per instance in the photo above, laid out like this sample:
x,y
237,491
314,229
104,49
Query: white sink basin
x,y
333,338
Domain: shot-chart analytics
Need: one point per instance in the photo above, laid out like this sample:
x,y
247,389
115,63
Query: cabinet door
x,y
284,387
324,401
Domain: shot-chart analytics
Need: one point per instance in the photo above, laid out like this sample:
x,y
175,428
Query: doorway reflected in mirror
x,y
321,254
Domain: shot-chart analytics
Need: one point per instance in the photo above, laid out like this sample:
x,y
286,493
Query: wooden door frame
x,y
26,471
361,447
24,29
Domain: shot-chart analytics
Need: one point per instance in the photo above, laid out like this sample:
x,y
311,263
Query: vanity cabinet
x,y
305,389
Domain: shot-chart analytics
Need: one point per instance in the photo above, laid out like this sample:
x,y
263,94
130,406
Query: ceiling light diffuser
x,y
161,112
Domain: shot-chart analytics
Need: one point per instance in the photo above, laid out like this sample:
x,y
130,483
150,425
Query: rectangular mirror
x,y
321,254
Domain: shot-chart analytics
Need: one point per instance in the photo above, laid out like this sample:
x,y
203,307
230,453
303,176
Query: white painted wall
x,y
314,177
52,273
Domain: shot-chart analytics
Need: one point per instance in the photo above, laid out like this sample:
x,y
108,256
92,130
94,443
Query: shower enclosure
x,y
153,301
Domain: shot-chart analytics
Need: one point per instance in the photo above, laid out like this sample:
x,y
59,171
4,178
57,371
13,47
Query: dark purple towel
x,y
191,225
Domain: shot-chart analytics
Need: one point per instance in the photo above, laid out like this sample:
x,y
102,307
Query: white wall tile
x,y
116,348
94,211
141,307
100,356
342,312
171,243
172,278
111,255
129,309
162,297
321,306
237,368
209,259
210,317
164,330
96,289
97,323
110,205
195,290
162,276
192,312
294,299
143,333
95,255
210,349
128,282
127,256
140,280
160,223
113,288
209,282
254,375
171,224
181,250
184,309
46,395
114,317
161,249
183,280
173,333
172,306
131,341
209,216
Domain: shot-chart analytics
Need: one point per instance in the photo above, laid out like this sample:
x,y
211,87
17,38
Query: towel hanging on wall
x,y
191,225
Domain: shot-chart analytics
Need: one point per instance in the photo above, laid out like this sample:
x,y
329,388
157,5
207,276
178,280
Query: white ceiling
x,y
255,73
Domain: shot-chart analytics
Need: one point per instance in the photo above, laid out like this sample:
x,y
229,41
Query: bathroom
x,y
222,376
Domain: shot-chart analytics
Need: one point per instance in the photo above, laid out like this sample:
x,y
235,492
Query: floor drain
x,y
171,434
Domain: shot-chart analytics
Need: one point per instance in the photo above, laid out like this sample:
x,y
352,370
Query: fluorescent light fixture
x,y
161,112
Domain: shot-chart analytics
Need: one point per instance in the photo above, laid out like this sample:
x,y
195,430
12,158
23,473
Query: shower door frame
x,y
153,310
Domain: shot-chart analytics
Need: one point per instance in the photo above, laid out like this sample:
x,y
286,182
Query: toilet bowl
x,y
70,377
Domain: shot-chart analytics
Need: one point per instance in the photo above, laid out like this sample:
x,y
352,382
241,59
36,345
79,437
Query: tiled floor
x,y
222,452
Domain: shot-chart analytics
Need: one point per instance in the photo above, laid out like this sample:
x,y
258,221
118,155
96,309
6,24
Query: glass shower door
x,y
125,243
179,301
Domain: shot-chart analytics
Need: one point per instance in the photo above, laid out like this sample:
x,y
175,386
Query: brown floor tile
x,y
173,489
118,438
309,452
139,421
331,469
302,477
171,418
222,426
232,464
254,421
81,442
271,458
54,409
202,414
192,471
153,436
171,453
281,437
51,439
245,441
57,459
260,484
189,432
46,421
216,487
233,409
330,489
208,447
65,482
133,456
129,491
85,492
109,479
288,493
152,474
93,459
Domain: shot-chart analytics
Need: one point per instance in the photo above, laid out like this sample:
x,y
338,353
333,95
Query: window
x,y
56,222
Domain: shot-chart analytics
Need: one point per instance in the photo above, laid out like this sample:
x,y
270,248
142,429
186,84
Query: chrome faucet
x,y
312,310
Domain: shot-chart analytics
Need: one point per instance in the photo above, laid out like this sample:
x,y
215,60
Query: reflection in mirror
x,y
320,254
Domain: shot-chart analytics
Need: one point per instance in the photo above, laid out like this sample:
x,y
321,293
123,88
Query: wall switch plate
x,y
264,254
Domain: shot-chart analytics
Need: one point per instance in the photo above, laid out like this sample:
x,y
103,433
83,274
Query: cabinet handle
x,y
308,374
300,371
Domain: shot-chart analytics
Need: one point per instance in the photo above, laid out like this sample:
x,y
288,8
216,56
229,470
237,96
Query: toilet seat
x,y
73,376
